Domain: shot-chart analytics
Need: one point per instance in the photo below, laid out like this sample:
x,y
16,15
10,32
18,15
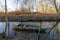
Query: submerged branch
x,y
51,30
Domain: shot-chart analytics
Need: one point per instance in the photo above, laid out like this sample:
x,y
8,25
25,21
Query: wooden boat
x,y
30,28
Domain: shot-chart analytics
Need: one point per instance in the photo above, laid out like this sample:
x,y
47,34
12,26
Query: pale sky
x,y
11,4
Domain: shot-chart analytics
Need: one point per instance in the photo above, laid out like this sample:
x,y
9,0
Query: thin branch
x,y
54,1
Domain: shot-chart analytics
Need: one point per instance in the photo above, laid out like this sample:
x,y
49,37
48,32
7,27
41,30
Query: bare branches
x,y
54,1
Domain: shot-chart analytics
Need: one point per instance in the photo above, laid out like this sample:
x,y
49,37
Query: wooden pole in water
x,y
40,25
6,18
8,30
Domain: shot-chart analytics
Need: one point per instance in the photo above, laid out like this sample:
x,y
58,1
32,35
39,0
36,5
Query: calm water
x,y
2,26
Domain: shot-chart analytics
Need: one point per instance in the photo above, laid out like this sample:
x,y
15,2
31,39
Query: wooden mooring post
x,y
6,19
40,25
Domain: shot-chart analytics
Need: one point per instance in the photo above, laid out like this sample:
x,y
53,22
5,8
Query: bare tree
x,y
55,26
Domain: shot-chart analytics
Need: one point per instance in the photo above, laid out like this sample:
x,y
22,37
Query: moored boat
x,y
30,28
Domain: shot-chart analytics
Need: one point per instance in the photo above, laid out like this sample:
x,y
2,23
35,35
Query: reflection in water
x,y
44,25
2,27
